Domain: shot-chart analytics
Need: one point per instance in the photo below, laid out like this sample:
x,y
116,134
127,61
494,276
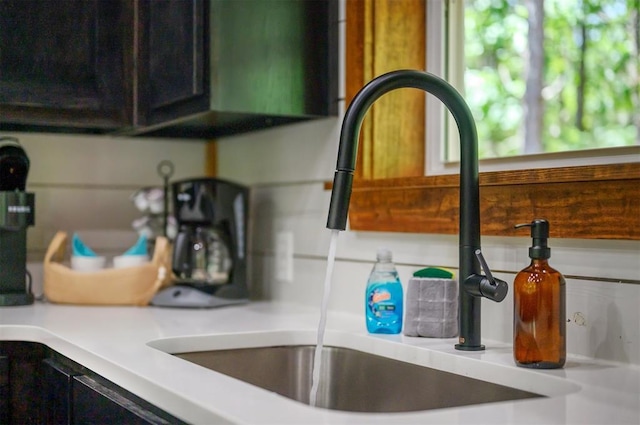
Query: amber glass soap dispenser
x,y
539,324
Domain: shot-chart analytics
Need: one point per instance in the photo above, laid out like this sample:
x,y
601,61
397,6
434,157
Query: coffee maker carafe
x,y
202,256
210,250
16,214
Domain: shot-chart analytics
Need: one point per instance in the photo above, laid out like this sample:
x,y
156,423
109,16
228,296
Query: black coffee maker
x,y
210,249
16,214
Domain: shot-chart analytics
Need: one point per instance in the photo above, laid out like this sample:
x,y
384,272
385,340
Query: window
x,y
392,193
571,75
572,63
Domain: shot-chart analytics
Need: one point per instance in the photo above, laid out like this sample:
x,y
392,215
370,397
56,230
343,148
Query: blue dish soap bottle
x,y
384,296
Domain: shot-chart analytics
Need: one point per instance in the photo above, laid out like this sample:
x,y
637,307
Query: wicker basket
x,y
134,285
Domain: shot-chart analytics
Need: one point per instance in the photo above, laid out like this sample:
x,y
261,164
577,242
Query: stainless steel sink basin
x,y
352,380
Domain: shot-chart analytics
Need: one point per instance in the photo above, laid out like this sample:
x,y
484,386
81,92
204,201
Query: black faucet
x,y
472,285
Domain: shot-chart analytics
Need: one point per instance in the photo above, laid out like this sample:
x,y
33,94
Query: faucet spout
x,y
469,236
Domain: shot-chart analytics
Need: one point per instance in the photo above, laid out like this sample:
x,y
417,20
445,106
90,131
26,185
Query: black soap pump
x,y
539,317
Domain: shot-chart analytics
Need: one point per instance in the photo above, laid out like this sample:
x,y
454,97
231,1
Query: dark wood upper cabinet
x,y
65,66
172,60
218,67
179,68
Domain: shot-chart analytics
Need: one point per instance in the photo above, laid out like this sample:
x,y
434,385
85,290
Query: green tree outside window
x,y
553,75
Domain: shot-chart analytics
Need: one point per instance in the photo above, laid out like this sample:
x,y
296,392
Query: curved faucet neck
x,y
469,187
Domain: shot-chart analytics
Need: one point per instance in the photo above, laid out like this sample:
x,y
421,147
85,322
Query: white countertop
x,y
124,344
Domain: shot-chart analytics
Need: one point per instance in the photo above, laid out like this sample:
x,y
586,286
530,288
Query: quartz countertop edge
x,y
130,346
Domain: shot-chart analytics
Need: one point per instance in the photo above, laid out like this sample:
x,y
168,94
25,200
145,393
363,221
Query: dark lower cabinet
x,y
21,382
95,403
4,389
56,395
40,386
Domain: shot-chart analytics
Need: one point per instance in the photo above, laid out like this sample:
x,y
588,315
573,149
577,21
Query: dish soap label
x,y
381,302
384,296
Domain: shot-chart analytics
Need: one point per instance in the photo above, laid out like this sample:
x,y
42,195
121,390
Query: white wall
x,y
287,167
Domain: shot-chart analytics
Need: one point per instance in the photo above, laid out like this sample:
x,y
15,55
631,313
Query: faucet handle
x,y
489,286
484,265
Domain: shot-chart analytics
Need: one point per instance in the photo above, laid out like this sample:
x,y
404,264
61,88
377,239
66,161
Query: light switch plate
x,y
284,257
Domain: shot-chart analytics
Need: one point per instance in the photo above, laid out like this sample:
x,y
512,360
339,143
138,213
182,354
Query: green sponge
x,y
437,272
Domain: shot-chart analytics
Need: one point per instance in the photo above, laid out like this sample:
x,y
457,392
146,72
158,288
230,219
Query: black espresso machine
x,y
16,214
210,249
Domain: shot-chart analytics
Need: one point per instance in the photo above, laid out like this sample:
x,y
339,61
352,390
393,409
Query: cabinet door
x,y
274,57
20,383
65,64
56,395
172,49
4,390
94,403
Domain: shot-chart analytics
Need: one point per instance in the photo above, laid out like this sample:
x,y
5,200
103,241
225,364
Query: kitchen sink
x,y
352,380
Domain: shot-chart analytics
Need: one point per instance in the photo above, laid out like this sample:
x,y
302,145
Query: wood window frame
x,y
391,194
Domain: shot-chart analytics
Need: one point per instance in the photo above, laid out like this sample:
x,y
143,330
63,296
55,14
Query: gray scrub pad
x,y
431,308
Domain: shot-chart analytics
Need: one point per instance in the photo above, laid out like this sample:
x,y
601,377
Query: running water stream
x,y
317,357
